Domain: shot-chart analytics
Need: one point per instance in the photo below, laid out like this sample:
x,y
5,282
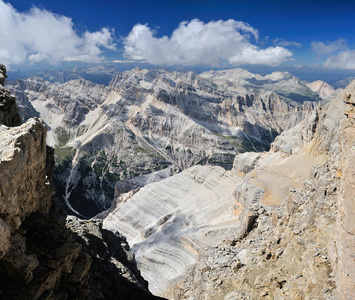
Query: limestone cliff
x,y
42,256
343,241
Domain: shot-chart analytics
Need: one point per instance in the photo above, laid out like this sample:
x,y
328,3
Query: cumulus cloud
x,y
285,43
270,56
322,48
40,35
199,43
343,60
337,54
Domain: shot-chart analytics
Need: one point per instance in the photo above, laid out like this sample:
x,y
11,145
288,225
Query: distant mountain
x,y
106,71
323,89
282,83
343,83
101,74
149,124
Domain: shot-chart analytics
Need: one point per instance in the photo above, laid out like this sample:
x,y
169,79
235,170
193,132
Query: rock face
x,y
285,225
40,256
150,120
167,222
9,115
343,245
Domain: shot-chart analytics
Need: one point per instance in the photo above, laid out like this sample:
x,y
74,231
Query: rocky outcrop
x,y
343,244
25,188
292,140
9,115
283,255
107,263
41,256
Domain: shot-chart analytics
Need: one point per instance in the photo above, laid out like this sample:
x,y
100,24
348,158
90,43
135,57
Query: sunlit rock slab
x,y
167,222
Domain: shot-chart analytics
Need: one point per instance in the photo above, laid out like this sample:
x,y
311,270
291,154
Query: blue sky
x,y
219,34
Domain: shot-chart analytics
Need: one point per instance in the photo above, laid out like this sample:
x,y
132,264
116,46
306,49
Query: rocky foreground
x,y
43,255
279,225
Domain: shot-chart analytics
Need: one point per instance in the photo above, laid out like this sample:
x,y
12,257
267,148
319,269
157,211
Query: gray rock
x,y
3,75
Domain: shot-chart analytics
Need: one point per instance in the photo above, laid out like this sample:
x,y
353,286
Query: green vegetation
x,y
61,166
63,136
104,163
218,159
242,145
63,153
139,149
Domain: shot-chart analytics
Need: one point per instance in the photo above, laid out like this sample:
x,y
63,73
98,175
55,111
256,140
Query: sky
x,y
214,34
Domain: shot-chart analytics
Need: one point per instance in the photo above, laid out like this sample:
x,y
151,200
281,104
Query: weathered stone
x,y
24,187
4,238
342,247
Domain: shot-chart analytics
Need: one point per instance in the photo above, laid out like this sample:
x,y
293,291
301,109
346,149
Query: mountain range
x,y
149,124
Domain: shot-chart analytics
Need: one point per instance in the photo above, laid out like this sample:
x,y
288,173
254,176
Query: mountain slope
x,y
283,226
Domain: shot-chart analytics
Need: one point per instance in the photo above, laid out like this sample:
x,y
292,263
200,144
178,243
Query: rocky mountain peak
x,y
324,90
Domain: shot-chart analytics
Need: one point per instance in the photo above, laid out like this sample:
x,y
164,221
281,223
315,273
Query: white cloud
x,y
343,60
118,61
198,43
322,48
342,57
285,43
270,56
39,57
40,35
